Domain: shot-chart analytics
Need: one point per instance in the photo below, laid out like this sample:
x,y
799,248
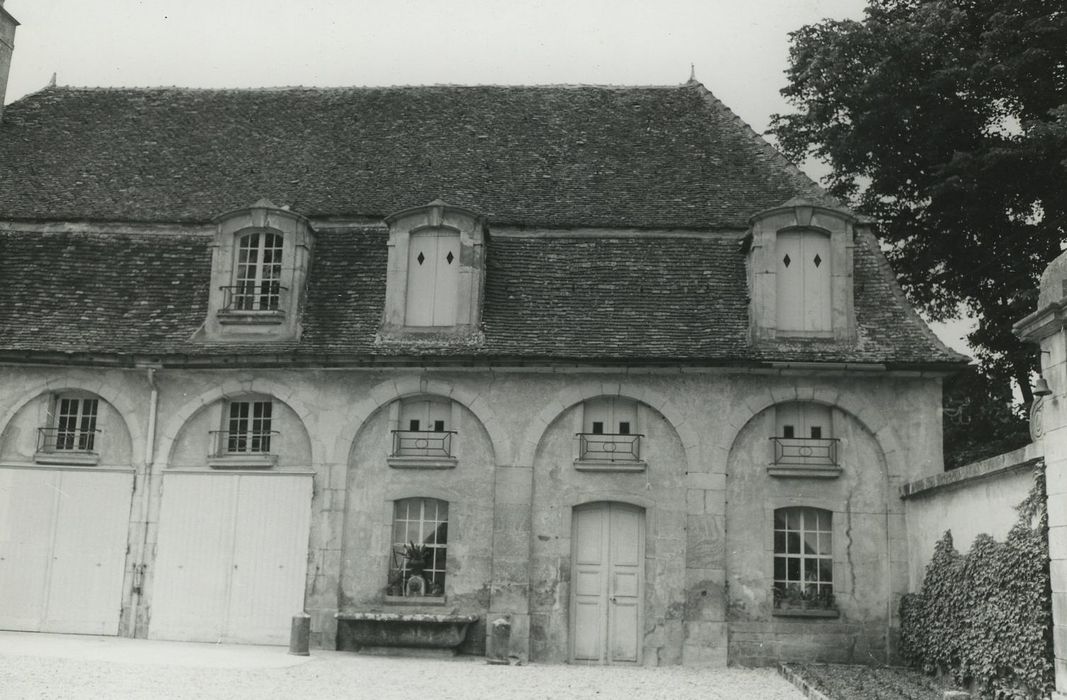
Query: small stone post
x,y
300,635
499,641
1048,425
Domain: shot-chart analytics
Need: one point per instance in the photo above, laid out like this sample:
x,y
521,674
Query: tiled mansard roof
x,y
551,156
540,158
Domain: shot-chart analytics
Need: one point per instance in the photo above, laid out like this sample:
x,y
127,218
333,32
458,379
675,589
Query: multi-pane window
x,y
420,546
75,425
803,557
257,279
248,427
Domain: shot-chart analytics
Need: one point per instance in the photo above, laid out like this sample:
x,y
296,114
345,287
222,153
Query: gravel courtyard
x,y
65,666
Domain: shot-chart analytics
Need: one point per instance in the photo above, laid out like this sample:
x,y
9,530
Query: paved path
x,y
69,666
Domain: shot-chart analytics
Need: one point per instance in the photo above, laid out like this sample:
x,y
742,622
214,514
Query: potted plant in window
x,y
415,557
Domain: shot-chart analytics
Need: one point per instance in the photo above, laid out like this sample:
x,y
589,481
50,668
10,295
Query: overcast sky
x,y
739,47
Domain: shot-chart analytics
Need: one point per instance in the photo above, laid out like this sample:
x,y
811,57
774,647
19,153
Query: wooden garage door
x,y
231,556
63,548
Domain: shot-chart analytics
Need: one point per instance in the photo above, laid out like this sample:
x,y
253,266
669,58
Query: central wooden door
x,y
607,583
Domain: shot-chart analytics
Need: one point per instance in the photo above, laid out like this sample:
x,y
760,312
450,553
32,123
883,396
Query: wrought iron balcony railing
x,y
67,440
611,447
821,451
253,297
226,443
423,443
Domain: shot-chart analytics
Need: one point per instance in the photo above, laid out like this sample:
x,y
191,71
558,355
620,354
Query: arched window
x,y
433,278
258,273
420,547
803,300
803,559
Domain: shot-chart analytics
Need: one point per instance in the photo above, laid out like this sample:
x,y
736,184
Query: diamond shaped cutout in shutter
x,y
786,260
421,258
818,260
450,257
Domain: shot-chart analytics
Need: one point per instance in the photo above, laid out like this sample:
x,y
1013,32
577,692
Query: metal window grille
x,y
612,447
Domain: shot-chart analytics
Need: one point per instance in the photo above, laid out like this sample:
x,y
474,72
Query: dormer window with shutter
x,y
800,273
436,273
259,271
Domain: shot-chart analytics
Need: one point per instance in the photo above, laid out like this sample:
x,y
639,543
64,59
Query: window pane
x,y
811,543
793,518
792,543
825,543
779,542
779,568
826,570
779,519
793,569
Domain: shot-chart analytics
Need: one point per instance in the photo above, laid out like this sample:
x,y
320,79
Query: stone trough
x,y
383,633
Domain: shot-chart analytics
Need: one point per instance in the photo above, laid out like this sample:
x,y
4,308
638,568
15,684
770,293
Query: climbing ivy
x,y
986,616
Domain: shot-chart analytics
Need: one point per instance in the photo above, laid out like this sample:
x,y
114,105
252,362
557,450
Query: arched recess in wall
x,y
194,416
359,413
121,440
766,423
567,400
865,414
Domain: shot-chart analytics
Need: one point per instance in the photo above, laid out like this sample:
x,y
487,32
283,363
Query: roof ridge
x,y
341,88
809,185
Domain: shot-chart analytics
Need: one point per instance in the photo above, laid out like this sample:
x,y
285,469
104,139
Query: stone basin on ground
x,y
358,630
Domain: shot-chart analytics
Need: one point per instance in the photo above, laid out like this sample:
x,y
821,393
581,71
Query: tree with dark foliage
x,y
946,122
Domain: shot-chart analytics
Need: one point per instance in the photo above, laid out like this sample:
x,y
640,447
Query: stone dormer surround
x,y
470,292
282,324
800,215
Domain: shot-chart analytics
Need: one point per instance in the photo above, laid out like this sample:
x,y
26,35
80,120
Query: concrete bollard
x,y
500,641
300,635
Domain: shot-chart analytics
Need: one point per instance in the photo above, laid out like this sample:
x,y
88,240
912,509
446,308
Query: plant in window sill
x,y
793,598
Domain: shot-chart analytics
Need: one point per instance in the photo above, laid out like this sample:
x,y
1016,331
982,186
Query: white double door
x,y
231,557
607,583
63,535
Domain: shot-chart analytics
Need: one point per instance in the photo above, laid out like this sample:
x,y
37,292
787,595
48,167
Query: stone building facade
x,y
619,373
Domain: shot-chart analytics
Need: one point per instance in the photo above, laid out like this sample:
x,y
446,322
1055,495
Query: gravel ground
x,y
124,669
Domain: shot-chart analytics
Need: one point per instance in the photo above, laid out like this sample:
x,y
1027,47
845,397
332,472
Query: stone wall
x,y
706,498
974,499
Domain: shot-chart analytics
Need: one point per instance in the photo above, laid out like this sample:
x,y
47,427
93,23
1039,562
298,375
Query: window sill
x,y
251,318
421,462
604,465
415,600
802,471
62,457
825,613
243,461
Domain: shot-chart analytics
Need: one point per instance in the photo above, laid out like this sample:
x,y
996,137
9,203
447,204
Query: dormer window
x,y
259,271
803,281
609,437
804,443
436,274
257,279
424,434
800,258
433,278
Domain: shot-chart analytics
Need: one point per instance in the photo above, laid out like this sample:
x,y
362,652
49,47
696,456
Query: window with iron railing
x,y
803,443
609,431
248,433
253,297
423,429
71,435
74,427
